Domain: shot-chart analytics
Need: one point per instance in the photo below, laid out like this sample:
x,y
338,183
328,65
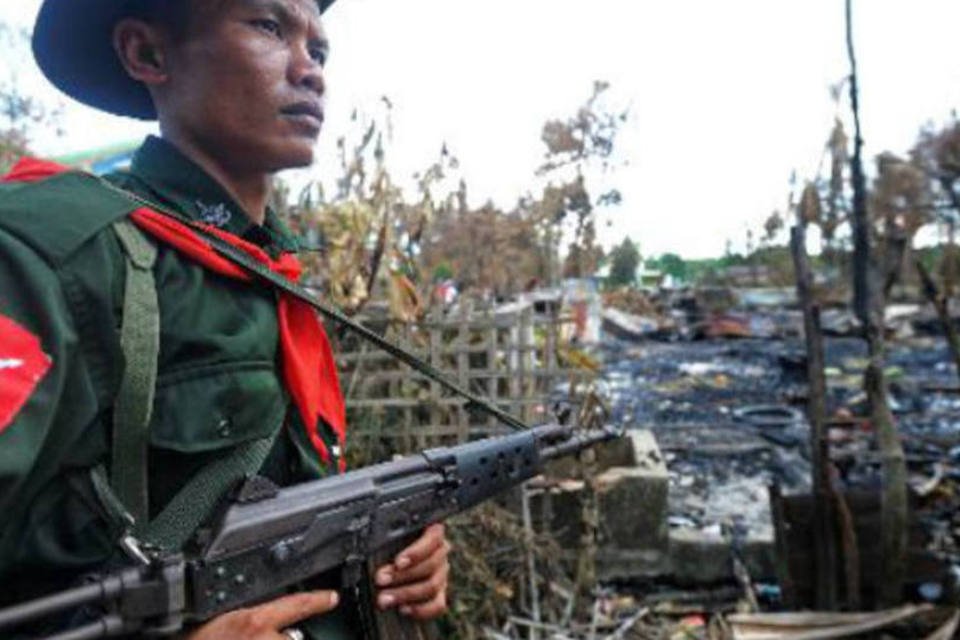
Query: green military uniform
x,y
66,272
62,274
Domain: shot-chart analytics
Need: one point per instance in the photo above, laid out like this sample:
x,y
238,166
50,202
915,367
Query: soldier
x,y
129,364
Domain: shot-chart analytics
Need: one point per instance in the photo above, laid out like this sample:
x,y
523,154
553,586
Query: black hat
x,y
73,44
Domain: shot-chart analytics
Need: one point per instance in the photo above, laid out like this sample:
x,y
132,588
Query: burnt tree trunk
x,y
893,512
850,546
823,513
868,305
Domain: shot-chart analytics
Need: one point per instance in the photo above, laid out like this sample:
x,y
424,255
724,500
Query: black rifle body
x,y
266,539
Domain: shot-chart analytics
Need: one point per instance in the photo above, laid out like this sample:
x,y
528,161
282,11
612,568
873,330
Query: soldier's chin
x,y
296,157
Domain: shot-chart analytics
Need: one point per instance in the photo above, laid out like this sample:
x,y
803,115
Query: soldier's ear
x,y
140,48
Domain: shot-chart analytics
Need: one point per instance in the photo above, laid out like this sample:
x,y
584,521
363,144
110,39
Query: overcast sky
x,y
726,97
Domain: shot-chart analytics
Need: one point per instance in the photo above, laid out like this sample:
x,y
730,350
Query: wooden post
x,y
523,351
825,546
781,531
585,579
408,421
514,359
435,329
550,349
869,308
463,374
534,633
493,381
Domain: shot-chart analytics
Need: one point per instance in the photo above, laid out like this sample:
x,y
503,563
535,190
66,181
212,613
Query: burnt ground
x,y
695,396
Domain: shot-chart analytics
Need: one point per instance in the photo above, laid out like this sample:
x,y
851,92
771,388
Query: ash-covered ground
x,y
729,418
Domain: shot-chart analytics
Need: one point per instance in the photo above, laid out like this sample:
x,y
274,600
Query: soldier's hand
x,y
416,581
267,621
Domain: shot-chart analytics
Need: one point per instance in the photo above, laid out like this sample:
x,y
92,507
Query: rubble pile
x,y
631,314
712,388
631,301
729,418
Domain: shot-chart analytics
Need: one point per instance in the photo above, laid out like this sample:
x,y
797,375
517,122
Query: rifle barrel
x,y
576,442
107,627
51,605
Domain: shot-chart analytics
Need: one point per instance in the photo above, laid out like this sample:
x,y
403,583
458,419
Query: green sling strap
x,y
140,342
178,520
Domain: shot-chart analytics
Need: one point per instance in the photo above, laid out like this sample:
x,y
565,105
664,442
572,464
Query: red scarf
x,y
309,370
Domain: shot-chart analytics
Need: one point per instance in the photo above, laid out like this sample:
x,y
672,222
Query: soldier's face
x,y
246,83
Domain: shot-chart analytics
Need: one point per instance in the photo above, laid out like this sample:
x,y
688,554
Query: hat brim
x,y
73,45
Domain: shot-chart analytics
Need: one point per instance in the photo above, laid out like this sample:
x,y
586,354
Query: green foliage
x,y
19,112
704,269
930,257
709,269
672,265
624,260
442,271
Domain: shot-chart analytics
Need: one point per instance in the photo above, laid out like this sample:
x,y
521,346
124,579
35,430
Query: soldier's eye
x,y
269,26
319,55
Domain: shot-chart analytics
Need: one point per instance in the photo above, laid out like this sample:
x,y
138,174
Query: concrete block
x,y
635,542
625,565
632,503
698,558
633,507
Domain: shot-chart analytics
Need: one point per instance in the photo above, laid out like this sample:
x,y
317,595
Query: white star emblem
x,y
11,363
216,214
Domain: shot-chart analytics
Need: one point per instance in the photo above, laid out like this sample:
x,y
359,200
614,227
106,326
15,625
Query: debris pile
x,y
677,524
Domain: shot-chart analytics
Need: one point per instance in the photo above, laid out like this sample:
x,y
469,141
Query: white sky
x,y
727,97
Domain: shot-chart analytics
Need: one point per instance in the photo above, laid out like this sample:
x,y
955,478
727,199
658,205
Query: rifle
x,y
265,539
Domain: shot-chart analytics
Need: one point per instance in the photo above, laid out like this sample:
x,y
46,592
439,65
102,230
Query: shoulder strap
x,y
293,289
187,510
140,342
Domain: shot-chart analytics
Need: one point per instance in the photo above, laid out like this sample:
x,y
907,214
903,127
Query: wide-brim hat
x,y
73,45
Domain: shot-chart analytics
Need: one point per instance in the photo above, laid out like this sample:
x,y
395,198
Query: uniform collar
x,y
179,182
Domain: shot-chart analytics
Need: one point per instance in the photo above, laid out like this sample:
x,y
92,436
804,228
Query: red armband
x,y
22,366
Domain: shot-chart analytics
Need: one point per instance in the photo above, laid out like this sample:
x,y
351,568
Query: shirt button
x,y
225,427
